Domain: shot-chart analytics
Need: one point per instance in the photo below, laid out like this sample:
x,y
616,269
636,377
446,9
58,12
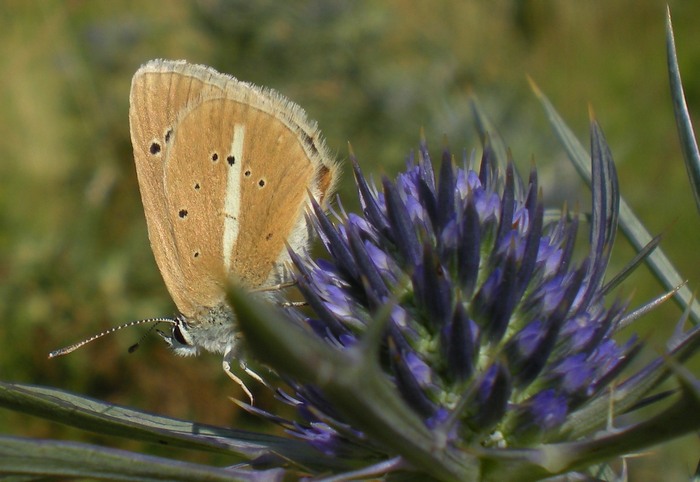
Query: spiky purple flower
x,y
479,315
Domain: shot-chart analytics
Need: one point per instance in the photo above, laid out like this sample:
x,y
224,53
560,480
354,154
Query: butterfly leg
x,y
253,375
275,287
233,353
227,368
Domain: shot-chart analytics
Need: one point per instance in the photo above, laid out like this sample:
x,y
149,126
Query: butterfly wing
x,y
224,168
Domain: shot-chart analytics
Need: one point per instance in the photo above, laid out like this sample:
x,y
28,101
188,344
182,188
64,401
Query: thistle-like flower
x,y
453,291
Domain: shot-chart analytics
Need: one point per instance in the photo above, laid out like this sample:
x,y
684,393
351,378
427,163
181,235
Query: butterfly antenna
x,y
75,346
136,345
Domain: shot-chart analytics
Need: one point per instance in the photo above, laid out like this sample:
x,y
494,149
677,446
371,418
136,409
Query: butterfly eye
x,y
180,336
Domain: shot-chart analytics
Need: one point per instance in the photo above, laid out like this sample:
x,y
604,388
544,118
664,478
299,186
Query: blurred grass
x,y
74,254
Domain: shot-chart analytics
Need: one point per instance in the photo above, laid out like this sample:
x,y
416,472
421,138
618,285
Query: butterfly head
x,y
212,329
179,338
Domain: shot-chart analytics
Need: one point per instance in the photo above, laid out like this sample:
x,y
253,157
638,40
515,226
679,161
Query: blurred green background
x,y
74,253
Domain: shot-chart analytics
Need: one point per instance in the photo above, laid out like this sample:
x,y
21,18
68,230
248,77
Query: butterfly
x,y
226,170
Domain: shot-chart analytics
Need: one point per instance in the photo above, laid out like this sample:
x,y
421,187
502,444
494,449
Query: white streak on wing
x,y
232,205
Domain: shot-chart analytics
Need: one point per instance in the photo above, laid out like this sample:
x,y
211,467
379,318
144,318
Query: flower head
x,y
470,306
490,313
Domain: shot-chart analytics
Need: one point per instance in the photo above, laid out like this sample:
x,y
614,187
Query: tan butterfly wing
x,y
224,168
